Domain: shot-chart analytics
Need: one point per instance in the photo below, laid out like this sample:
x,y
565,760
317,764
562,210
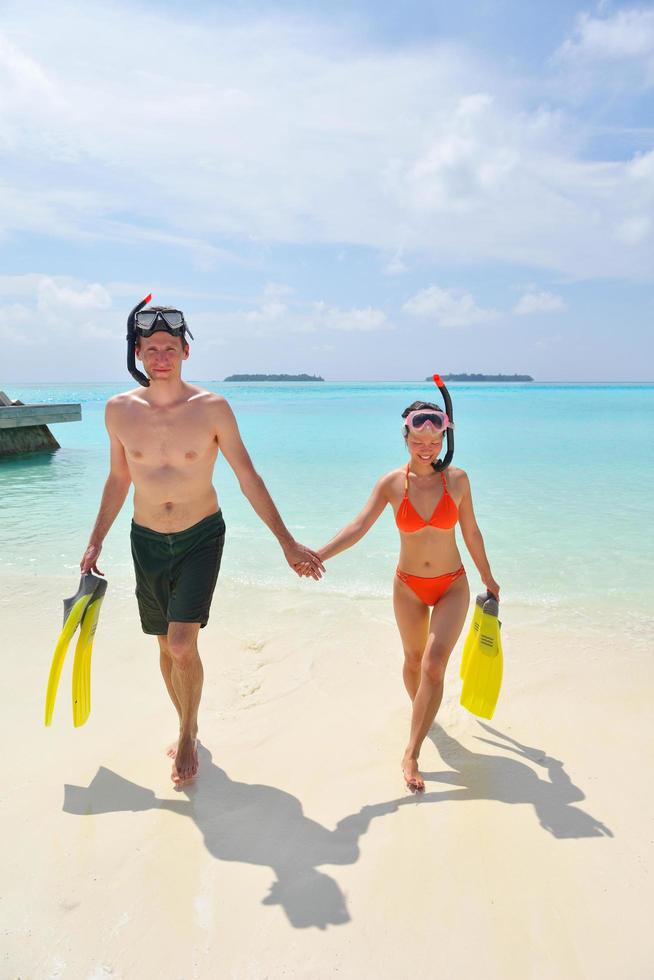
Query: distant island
x,y
484,377
274,377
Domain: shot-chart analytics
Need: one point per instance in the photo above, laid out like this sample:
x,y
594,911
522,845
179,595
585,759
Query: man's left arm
x,y
302,560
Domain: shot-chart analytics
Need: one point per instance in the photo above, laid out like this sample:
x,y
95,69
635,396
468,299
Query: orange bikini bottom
x,y
430,590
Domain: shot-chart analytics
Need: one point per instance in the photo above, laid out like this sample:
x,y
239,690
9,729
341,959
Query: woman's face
x,y
426,445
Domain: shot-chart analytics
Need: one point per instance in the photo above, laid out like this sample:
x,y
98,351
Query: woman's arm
x,y
361,524
473,538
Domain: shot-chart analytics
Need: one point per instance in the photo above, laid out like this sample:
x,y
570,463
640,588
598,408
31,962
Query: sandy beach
x,y
298,853
304,252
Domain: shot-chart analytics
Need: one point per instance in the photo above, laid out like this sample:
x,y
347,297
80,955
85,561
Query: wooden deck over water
x,y
24,428
16,416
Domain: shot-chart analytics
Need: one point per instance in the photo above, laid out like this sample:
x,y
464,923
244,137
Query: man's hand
x,y
89,559
304,562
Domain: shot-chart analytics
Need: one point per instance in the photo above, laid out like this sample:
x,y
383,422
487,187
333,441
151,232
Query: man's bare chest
x,y
168,438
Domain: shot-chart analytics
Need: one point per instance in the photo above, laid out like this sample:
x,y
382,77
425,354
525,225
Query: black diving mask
x,y
147,322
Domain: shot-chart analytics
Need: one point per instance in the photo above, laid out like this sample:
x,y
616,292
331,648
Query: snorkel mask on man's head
x,y
423,416
143,323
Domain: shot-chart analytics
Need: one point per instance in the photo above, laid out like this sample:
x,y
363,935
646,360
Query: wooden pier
x,y
24,428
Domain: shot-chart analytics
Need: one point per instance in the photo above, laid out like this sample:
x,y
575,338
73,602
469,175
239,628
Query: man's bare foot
x,y
171,750
185,765
412,777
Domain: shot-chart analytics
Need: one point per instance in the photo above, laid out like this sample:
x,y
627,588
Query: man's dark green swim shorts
x,y
176,573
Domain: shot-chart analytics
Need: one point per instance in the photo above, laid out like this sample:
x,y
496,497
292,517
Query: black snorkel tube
x,y
442,464
131,344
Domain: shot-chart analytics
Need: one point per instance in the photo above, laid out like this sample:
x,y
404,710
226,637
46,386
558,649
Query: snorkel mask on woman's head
x,y
419,419
423,419
143,323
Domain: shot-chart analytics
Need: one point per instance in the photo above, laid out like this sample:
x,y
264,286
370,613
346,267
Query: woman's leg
x,y
412,618
446,624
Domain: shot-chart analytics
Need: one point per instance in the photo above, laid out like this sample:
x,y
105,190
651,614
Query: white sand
x,y
298,853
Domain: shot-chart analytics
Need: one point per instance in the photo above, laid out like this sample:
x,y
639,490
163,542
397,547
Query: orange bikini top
x,y
445,515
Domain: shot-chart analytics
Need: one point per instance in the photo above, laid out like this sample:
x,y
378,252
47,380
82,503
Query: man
x,y
164,438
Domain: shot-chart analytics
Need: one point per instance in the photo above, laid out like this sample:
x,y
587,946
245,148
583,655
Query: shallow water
x,y
562,479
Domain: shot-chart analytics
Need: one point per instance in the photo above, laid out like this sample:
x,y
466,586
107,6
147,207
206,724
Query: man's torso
x,y
170,452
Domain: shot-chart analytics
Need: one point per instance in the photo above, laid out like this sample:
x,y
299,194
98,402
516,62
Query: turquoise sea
x,y
562,479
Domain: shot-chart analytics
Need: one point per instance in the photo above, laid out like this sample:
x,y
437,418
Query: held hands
x,y
492,586
304,562
89,559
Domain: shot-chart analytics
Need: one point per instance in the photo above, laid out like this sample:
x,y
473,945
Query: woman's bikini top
x,y
445,515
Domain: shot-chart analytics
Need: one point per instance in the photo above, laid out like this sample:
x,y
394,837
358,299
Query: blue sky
x,y
362,190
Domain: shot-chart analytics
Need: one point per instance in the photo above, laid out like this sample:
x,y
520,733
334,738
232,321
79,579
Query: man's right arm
x,y
113,495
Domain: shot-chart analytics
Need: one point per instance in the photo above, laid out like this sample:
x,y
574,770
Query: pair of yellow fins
x,y
482,661
83,610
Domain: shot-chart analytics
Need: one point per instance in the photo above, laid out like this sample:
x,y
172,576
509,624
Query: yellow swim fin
x,y
90,587
473,632
483,677
82,661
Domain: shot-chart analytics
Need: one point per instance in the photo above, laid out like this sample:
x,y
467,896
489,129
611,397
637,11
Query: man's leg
x,y
186,677
166,665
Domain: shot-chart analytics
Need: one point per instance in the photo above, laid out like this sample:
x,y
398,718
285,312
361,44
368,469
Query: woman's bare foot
x,y
412,777
185,765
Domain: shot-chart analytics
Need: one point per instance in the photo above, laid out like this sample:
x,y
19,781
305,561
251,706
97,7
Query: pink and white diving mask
x,y
422,418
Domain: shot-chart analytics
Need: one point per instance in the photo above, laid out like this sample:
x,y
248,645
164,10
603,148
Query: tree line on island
x,y
317,377
274,377
484,377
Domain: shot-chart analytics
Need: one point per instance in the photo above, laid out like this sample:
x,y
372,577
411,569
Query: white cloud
x,y
614,53
269,317
58,300
628,34
293,136
17,324
65,327
448,308
301,317
60,326
641,167
353,320
635,230
270,311
538,301
22,285
396,266
272,307
55,299
22,78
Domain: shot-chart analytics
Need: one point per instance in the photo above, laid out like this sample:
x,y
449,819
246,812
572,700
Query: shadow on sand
x,y
505,779
255,824
258,824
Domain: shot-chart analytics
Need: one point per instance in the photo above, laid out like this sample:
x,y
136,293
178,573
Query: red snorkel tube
x,y
131,344
442,464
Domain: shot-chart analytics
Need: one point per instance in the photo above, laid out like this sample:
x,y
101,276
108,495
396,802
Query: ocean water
x,y
562,479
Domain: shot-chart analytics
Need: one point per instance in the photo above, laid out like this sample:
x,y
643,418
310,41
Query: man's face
x,y
162,355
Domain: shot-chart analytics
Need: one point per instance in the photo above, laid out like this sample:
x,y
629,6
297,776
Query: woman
x,y
430,589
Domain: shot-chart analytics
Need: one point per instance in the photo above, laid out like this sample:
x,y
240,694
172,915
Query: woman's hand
x,y
492,586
